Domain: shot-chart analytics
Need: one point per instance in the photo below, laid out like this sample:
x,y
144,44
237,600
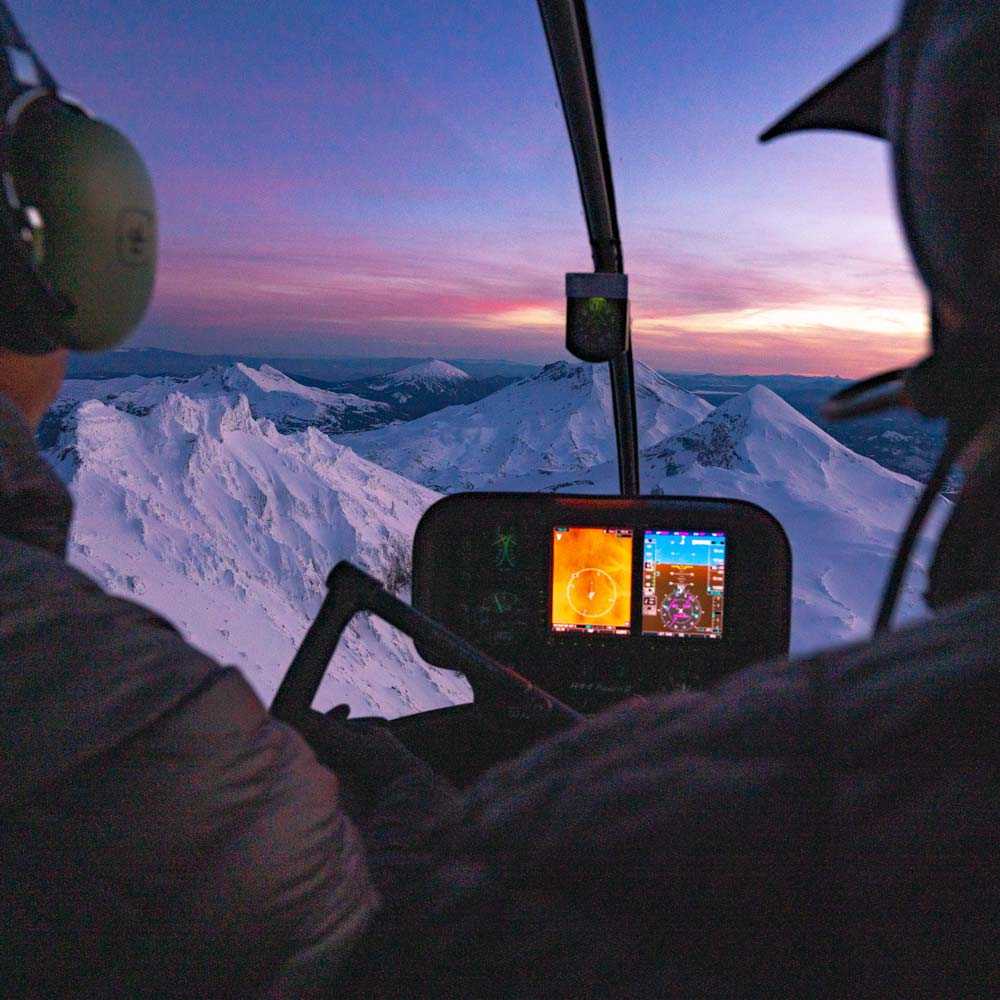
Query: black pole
x,y
571,48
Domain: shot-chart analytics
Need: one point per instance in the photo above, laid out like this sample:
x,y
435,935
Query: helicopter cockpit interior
x,y
558,606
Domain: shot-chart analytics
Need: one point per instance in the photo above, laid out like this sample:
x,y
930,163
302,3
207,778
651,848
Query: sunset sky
x,y
395,178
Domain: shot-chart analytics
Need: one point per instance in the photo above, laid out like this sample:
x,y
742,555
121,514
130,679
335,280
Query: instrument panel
x,y
599,598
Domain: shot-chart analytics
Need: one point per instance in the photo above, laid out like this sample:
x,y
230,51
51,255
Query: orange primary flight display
x,y
592,580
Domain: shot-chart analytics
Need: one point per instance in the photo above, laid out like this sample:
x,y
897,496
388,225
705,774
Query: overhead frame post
x,y
568,32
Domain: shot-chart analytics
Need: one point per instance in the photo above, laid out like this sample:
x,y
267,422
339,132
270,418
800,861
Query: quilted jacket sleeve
x,y
162,834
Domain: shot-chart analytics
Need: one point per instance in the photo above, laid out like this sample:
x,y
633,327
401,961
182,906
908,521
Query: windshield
x,y
367,212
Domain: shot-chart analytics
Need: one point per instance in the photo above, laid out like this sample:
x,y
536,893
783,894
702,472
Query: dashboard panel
x,y
599,598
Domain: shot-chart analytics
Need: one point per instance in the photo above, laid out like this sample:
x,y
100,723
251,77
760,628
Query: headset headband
x,y
21,70
24,81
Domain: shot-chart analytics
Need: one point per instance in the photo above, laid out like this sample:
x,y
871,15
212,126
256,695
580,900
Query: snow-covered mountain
x,y
430,375
270,394
557,422
898,439
420,389
193,505
843,513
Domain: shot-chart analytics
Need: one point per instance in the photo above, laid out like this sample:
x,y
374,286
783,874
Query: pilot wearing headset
x,y
822,828
160,833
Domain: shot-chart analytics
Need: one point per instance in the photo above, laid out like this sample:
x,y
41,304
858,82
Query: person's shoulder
x,y
147,764
767,726
959,636
930,681
48,605
847,697
83,670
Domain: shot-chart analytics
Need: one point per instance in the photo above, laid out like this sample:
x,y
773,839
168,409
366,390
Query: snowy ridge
x,y
556,422
843,513
424,388
269,393
758,433
206,513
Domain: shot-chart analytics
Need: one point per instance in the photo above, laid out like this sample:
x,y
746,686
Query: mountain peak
x,y
556,371
265,377
758,433
272,372
428,370
761,400
760,406
559,420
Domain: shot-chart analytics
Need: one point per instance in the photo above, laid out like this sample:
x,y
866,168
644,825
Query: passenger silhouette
x,y
825,827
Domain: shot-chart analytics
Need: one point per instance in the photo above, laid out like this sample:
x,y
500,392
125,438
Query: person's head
x,y
77,228
932,89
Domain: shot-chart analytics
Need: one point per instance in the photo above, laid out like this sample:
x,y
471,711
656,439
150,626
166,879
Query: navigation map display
x,y
592,580
683,583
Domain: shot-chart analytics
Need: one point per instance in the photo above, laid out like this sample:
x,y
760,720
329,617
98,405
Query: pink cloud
x,y
423,293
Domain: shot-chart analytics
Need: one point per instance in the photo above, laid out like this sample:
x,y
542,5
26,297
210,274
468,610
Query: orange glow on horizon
x,y
801,317
380,298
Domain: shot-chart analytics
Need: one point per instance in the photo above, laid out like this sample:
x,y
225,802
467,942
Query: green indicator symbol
x,y
500,602
600,315
506,548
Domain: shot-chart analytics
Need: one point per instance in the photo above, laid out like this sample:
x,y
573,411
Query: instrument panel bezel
x,y
455,571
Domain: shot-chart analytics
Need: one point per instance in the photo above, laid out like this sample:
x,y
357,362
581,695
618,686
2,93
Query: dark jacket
x,y
159,832
822,828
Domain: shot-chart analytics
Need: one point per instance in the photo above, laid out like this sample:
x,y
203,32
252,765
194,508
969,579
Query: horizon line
x,y
271,356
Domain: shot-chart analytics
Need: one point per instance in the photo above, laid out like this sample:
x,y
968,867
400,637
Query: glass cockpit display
x,y
592,580
558,586
683,583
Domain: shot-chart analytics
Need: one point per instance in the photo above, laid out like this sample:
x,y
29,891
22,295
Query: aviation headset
x,y
77,215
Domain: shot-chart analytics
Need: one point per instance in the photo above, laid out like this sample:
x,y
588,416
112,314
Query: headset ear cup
x,y
96,202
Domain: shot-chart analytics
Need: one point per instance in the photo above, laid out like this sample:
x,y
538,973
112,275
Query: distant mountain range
x,y
558,421
424,388
155,361
270,394
898,440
